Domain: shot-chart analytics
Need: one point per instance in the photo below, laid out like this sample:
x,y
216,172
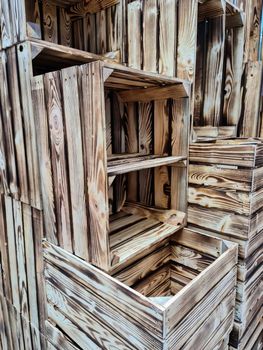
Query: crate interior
x,y
168,269
140,162
92,26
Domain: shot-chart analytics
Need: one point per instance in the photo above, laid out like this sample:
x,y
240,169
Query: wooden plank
x,y
203,243
213,132
250,111
229,179
142,244
21,269
142,162
190,257
149,35
65,35
10,231
118,146
101,33
167,36
254,18
17,119
235,154
58,160
8,128
187,39
237,202
229,223
38,230
134,34
233,75
136,272
25,75
95,162
145,147
180,304
72,120
89,23
214,71
78,34
176,91
44,156
92,6
5,271
58,338
180,144
7,30
114,23
31,273
4,186
50,26
161,146
200,73
131,146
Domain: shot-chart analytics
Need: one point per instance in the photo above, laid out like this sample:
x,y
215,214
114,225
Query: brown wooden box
x,y
166,300
225,196
95,124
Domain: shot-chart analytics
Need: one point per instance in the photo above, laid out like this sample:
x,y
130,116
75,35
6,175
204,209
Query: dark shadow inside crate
x,y
166,270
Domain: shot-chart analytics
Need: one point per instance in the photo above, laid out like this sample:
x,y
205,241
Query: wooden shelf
x,y
149,86
121,164
215,8
139,228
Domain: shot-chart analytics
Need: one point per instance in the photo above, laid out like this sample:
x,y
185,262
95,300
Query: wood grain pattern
x,y
187,39
233,75
50,27
161,146
167,37
40,112
134,34
65,35
214,71
8,128
25,74
250,111
75,161
17,119
95,163
179,143
145,147
58,158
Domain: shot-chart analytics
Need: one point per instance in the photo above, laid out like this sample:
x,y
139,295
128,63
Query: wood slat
x,y
75,162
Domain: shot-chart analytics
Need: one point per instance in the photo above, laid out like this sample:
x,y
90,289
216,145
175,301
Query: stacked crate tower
x,y
94,252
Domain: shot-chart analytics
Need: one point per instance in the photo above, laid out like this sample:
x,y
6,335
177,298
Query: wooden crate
x,y
168,299
225,196
101,200
21,262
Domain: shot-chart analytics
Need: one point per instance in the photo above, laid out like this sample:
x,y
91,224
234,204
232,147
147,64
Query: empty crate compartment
x,y
123,201
165,300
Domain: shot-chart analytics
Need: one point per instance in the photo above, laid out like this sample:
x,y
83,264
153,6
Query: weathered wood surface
x,y
72,289
21,281
235,152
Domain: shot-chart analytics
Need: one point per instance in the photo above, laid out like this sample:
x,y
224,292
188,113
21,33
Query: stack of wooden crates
x,y
225,197
94,158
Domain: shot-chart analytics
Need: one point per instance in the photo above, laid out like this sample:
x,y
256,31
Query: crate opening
x,y
166,270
